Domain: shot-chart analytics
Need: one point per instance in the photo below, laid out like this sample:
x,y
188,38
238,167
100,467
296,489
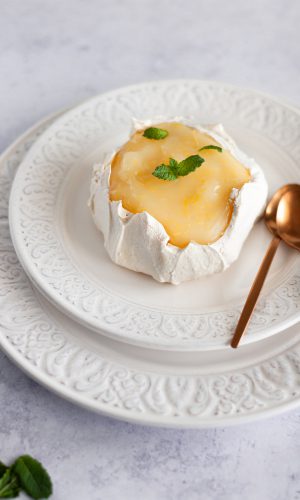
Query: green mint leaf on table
x,y
34,479
3,469
9,484
155,133
174,169
211,146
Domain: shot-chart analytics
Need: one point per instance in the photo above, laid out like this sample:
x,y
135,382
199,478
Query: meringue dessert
x,y
176,201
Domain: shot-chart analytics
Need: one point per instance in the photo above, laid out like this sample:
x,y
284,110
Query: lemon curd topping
x,y
196,207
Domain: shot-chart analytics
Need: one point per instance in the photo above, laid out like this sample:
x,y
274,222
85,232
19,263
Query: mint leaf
x,y
155,133
174,169
3,469
190,164
211,146
34,479
165,172
9,485
173,164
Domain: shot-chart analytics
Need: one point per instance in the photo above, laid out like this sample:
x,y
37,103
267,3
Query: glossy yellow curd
x,y
196,207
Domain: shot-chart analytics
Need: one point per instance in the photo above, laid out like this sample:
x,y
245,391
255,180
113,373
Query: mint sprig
x,y
28,474
155,133
165,172
34,479
9,484
174,170
211,146
189,165
3,469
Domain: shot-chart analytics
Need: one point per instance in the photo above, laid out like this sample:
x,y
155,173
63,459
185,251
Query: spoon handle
x,y
255,291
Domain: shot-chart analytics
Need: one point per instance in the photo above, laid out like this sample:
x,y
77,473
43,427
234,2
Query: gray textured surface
x,y
52,54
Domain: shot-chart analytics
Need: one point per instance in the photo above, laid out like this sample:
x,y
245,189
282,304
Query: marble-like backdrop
x,y
53,54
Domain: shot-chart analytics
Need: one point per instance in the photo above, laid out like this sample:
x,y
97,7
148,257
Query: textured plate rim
x,y
48,382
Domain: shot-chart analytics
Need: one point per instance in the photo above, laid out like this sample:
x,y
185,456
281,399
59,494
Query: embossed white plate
x,y
63,253
139,385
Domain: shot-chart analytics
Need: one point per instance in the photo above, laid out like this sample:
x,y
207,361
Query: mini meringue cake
x,y
176,201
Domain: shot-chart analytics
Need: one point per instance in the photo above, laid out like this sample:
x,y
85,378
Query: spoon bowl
x,y
271,210
288,218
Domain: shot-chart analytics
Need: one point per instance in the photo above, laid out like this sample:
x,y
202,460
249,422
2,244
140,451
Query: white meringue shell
x,y
139,242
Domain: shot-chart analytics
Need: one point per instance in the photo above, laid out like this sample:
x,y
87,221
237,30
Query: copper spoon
x,y
270,220
288,218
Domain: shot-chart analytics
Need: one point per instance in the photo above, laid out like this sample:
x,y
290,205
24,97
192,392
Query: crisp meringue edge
x,y
140,242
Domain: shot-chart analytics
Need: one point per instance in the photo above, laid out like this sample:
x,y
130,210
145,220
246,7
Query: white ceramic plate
x,y
63,253
139,385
